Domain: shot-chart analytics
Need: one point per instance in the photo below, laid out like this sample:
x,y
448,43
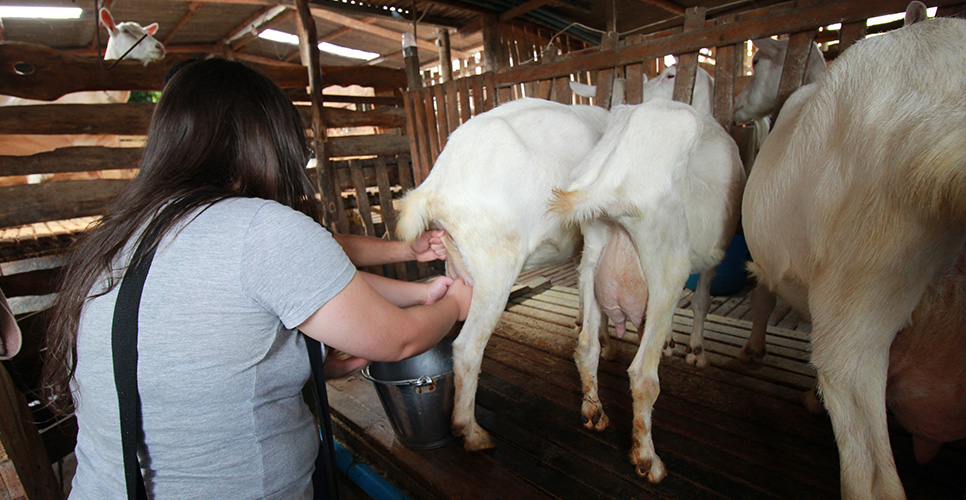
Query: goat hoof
x,y
699,359
812,403
652,470
750,356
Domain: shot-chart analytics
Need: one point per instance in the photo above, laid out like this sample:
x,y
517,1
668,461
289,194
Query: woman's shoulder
x,y
254,210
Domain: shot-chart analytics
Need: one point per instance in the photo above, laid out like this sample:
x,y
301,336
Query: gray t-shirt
x,y
220,366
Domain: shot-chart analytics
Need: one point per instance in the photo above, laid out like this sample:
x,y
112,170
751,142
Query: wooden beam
x,y
189,13
522,9
372,29
245,25
309,45
460,6
251,36
29,203
75,159
666,5
25,470
688,61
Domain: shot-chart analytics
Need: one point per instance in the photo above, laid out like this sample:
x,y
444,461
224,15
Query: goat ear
x,y
769,46
151,28
107,20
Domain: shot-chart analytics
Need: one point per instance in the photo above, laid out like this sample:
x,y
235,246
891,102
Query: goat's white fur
x,y
855,211
490,190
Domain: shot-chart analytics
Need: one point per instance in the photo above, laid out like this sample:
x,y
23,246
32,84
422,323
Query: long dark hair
x,y
220,129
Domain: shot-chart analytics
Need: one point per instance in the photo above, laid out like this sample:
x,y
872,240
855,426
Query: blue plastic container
x,y
732,273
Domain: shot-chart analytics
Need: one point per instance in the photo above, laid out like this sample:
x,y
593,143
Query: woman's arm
x,y
369,251
406,293
361,322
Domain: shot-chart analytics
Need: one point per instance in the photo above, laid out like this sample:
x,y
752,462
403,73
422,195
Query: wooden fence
x,y
431,111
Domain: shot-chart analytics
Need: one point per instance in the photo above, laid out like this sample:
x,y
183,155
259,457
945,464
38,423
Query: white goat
x,y
758,100
660,87
657,199
122,37
855,211
489,189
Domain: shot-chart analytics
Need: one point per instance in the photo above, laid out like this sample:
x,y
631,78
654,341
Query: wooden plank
x,y
851,33
127,119
74,159
442,114
452,106
25,470
388,212
561,90
634,76
426,159
687,66
462,87
27,203
605,76
725,68
432,124
362,198
793,73
489,84
365,145
412,132
476,88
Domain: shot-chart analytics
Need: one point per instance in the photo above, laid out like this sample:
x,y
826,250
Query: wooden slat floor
x,y
728,431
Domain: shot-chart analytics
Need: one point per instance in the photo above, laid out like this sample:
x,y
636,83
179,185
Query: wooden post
x,y
796,63
25,471
309,48
688,62
605,76
493,56
724,80
445,57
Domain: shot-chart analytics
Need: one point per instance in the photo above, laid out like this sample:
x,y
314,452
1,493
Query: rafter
x,y
244,40
372,29
522,9
192,8
666,5
247,24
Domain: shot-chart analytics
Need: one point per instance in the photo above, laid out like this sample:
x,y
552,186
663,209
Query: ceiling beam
x,y
246,25
372,29
251,36
460,6
666,5
192,8
522,9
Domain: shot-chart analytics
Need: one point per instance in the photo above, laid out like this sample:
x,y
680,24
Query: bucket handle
x,y
417,382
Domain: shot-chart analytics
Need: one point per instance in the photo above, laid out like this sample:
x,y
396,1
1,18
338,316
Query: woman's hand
x,y
429,246
437,289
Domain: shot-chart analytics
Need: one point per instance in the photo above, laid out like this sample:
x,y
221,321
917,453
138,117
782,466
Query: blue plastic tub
x,y
732,273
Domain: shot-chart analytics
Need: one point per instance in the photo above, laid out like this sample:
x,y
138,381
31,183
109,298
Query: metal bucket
x,y
417,394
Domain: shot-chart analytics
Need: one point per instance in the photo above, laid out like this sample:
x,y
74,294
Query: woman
x,y
241,263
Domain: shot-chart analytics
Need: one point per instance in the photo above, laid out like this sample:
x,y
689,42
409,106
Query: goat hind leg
x,y
489,300
762,304
700,304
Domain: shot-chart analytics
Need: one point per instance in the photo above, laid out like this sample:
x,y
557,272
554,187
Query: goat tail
x,y
414,215
574,206
938,177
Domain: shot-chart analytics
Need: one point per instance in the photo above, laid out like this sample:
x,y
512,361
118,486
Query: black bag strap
x,y
324,477
124,353
124,349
